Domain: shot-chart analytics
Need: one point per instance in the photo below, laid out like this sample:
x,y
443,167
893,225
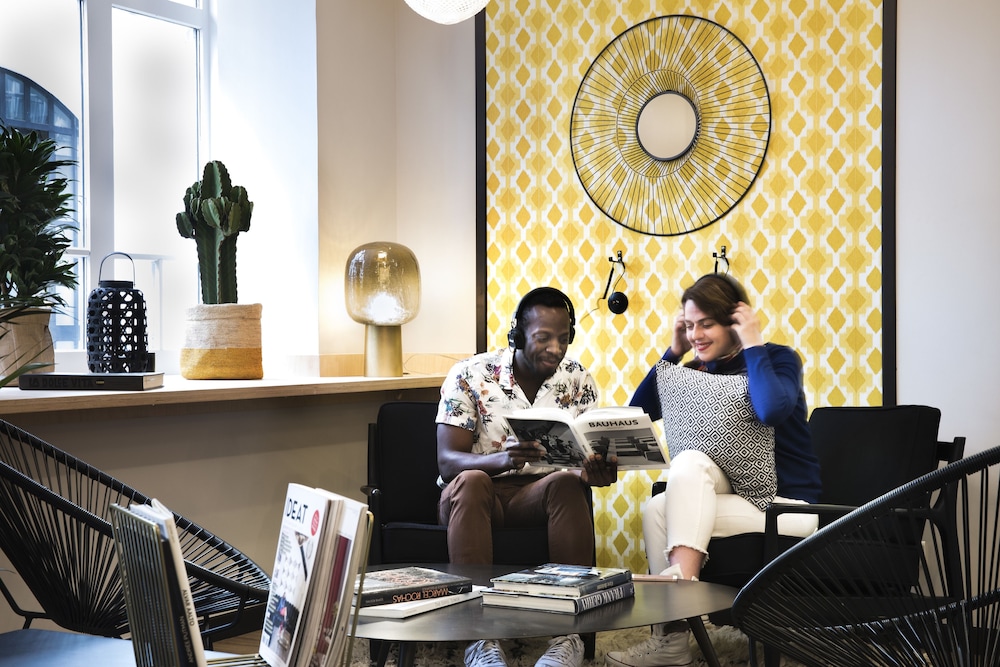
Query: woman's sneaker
x,y
670,650
485,653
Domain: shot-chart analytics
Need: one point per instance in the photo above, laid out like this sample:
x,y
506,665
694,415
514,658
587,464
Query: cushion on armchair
x,y
712,414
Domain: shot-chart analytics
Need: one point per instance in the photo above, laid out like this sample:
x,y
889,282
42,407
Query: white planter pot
x,y
26,339
222,342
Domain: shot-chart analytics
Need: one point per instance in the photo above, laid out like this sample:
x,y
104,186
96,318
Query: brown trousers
x,y
473,504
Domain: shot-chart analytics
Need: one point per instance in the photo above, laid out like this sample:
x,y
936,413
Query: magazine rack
x,y
148,596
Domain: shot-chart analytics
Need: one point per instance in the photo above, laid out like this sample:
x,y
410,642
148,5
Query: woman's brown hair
x,y
716,295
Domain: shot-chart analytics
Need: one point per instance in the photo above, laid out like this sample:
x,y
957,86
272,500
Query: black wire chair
x,y
55,529
911,578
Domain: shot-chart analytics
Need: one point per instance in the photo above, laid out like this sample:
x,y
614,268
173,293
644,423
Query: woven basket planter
x,y
222,342
24,339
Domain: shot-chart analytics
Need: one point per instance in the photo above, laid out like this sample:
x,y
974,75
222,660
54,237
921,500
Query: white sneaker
x,y
485,653
670,650
563,652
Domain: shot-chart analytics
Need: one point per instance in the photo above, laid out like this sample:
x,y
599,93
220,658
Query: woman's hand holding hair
x,y
746,324
680,343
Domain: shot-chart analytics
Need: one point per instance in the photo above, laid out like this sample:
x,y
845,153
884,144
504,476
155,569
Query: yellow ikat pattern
x,y
805,240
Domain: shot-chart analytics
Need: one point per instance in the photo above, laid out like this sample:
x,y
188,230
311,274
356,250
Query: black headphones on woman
x,y
539,295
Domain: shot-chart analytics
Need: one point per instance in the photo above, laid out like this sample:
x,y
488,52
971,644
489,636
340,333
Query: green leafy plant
x,y
34,202
215,212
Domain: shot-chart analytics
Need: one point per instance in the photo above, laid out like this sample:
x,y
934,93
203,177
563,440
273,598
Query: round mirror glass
x,y
667,126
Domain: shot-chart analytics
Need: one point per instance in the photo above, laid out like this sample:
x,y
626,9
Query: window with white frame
x,y
120,85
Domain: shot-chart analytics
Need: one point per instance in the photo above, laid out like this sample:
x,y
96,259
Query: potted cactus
x,y
34,205
222,338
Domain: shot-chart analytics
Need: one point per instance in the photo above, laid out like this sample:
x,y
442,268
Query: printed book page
x,y
625,432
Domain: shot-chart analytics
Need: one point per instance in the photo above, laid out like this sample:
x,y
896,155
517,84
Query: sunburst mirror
x,y
670,125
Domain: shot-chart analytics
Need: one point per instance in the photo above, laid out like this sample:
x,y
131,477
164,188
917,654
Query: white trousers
x,y
699,504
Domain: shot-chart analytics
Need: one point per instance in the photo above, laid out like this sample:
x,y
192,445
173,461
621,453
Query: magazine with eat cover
x,y
624,432
405,584
321,546
560,579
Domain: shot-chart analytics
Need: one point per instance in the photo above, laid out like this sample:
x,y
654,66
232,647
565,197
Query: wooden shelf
x,y
178,391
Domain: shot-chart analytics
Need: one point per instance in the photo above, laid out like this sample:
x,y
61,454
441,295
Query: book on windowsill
x,y
560,604
90,381
414,607
562,580
624,432
406,584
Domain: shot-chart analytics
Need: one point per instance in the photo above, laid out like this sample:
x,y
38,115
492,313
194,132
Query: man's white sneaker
x,y
485,653
563,652
670,650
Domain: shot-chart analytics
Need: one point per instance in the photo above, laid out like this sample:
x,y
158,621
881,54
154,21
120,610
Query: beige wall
x,y
949,219
397,163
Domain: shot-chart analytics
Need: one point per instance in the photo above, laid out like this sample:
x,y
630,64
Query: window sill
x,y
178,391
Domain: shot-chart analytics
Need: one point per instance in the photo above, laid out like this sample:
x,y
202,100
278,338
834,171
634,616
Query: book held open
x,y
624,432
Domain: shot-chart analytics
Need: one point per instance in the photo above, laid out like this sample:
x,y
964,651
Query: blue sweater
x,y
774,374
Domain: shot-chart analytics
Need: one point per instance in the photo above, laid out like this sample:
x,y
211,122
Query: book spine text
x,y
604,597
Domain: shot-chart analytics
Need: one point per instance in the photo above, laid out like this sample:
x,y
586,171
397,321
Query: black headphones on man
x,y
539,295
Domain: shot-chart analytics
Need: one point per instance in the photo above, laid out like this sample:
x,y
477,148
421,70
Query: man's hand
x,y
599,472
521,453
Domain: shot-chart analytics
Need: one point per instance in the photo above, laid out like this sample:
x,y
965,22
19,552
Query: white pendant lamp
x,y
447,11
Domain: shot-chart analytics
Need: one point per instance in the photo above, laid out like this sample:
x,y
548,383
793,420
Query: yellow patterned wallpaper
x,y
805,240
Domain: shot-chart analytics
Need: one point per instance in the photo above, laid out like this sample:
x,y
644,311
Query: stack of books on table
x,y
565,589
405,591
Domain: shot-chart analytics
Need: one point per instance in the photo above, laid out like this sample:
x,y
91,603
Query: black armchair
x,y
403,494
864,452
55,529
911,578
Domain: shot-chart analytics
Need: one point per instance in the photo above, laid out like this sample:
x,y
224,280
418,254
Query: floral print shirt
x,y
478,390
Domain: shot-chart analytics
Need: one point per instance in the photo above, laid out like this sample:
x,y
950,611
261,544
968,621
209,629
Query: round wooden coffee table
x,y
654,602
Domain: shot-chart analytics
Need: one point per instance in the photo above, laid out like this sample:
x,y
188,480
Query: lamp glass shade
x,y
382,291
382,284
447,12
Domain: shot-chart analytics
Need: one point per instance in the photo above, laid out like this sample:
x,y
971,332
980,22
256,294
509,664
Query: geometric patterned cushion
x,y
712,414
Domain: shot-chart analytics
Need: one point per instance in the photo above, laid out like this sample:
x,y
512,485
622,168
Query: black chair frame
x,y
911,578
55,529
734,560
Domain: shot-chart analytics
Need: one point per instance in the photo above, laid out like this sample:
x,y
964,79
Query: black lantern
x,y
116,326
